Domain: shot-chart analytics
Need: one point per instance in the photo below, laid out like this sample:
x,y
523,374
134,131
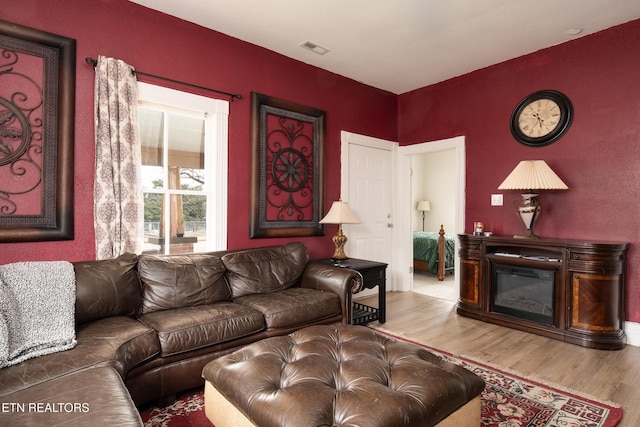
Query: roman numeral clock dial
x,y
541,118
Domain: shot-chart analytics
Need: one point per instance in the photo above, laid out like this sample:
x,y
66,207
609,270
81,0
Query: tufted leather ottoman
x,y
339,375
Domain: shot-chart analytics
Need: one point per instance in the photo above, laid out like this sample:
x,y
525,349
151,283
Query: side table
x,y
373,274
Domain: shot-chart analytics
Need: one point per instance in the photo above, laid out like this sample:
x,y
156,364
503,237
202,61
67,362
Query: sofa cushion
x,y
293,307
177,281
107,288
191,328
95,397
119,342
265,270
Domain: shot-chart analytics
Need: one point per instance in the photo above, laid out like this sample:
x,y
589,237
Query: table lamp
x,y
531,175
339,214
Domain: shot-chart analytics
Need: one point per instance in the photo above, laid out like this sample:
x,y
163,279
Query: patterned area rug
x,y
187,410
509,400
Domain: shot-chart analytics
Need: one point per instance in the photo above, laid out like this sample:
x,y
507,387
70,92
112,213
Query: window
x,y
183,171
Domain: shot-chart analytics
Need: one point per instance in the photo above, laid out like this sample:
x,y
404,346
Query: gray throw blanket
x,y
37,307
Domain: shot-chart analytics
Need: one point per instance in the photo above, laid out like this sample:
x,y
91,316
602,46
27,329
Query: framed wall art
x,y
37,107
287,168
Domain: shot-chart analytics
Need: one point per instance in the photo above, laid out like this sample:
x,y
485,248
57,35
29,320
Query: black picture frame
x,y
287,168
37,142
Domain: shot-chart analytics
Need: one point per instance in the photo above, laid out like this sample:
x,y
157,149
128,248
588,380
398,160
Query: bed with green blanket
x,y
425,251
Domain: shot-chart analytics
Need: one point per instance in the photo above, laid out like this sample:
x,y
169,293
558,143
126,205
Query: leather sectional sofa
x,y
147,325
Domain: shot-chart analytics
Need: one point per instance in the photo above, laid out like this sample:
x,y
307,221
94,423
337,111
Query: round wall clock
x,y
541,118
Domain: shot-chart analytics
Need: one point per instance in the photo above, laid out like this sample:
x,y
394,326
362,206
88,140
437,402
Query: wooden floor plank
x,y
604,374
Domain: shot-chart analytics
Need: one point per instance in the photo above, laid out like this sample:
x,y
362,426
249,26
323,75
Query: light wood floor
x,y
606,375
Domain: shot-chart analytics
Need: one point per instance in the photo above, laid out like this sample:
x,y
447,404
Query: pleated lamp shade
x,y
533,175
339,214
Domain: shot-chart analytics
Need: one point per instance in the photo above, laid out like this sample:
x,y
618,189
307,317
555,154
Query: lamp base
x,y
339,240
528,210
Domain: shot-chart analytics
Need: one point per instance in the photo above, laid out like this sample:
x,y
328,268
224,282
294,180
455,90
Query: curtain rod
x,y
233,96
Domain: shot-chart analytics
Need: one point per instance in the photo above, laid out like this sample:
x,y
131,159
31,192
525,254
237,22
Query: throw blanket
x,y
37,305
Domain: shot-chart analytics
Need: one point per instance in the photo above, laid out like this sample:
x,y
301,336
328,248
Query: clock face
x,y
541,118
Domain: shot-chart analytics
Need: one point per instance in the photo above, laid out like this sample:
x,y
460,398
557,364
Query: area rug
x,y
187,410
509,400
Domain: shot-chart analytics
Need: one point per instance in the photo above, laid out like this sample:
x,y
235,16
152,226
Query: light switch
x,y
496,200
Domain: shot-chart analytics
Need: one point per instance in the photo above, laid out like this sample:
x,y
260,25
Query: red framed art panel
x,y
37,107
287,168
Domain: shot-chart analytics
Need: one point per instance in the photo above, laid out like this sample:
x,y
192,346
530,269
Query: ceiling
x,y
401,45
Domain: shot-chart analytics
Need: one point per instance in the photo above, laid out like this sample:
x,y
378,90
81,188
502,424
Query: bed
x,y
430,247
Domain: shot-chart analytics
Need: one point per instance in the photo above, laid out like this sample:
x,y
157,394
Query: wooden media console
x,y
567,290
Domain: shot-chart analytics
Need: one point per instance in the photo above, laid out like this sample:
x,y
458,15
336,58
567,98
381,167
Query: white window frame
x,y
215,113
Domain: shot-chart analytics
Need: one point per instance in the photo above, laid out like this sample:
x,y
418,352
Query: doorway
x,y
405,200
433,178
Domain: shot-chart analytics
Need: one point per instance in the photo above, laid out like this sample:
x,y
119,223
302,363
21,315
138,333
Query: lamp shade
x,y
424,205
532,175
339,214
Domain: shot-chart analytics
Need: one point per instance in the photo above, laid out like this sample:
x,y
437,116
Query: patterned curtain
x,y
117,194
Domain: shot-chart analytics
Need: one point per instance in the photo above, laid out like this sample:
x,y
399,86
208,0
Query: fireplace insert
x,y
527,293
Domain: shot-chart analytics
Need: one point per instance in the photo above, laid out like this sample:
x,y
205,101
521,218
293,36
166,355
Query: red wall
x,y
599,157
159,44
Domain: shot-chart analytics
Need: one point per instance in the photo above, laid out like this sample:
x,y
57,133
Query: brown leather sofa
x,y
146,326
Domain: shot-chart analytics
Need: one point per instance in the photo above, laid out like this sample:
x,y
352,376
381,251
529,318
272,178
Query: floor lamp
x,y
423,206
531,175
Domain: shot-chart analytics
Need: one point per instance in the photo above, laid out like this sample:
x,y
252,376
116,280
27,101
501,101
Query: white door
x,y
369,173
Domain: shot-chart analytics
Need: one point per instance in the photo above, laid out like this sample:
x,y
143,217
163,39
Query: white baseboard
x,y
632,329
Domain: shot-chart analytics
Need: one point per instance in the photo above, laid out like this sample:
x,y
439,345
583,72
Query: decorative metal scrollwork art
x,y
37,100
287,168
20,135
288,187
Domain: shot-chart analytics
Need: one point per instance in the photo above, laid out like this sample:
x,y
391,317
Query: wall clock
x,y
541,118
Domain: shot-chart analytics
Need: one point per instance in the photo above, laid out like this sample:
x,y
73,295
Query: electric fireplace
x,y
524,292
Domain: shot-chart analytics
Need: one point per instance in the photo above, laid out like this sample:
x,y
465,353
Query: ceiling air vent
x,y
314,48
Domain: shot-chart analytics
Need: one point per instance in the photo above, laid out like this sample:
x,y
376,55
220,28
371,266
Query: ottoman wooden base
x,y
222,413
339,375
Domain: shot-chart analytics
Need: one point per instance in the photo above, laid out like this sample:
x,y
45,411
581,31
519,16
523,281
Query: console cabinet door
x,y
470,283
596,282
471,271
596,302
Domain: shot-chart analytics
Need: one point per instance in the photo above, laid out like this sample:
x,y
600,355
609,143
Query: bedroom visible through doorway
x,y
433,179
451,218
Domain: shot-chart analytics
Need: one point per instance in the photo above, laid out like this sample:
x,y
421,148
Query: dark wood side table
x,y
373,274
